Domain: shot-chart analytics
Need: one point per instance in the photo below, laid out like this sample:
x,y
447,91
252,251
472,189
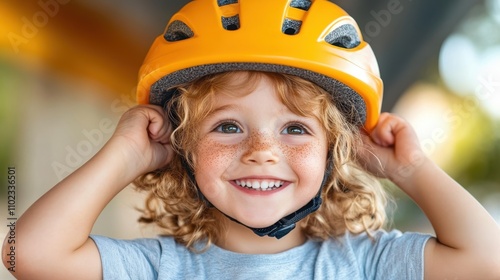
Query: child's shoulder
x,y
381,255
377,240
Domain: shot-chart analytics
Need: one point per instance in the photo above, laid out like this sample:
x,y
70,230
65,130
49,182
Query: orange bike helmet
x,y
312,39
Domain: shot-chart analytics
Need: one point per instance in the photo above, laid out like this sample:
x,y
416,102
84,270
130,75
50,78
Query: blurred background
x,y
68,70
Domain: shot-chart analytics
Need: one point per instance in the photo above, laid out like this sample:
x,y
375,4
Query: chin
x,y
259,222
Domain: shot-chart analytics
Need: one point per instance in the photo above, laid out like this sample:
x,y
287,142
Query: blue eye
x,y
294,129
228,128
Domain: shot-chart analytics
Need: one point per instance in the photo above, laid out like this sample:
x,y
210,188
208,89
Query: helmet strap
x,y
284,225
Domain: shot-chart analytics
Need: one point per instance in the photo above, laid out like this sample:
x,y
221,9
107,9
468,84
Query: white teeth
x,y
255,185
264,185
260,185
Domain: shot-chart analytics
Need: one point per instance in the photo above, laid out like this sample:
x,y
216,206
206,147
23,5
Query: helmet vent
x,y
291,27
345,36
178,31
231,23
301,4
226,2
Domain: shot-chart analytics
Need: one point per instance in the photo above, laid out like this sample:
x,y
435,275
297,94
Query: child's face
x,y
255,139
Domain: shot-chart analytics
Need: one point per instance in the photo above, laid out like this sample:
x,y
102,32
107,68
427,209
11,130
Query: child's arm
x,y
52,238
467,243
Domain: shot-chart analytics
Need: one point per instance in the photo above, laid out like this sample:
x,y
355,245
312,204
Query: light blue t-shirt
x,y
391,255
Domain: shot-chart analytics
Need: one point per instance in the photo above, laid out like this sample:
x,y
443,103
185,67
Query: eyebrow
x,y
236,107
223,108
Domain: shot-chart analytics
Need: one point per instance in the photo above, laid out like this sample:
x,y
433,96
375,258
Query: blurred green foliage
x,y
9,93
483,170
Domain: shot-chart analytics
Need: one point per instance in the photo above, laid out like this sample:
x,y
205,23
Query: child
x,y
257,143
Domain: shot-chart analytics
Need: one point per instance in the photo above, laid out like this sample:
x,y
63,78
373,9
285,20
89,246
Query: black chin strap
x,y
284,225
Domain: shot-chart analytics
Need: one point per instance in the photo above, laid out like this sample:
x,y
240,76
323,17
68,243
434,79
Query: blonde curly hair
x,y
353,200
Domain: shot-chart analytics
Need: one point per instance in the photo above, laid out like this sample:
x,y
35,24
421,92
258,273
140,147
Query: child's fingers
x,y
159,127
142,136
395,131
384,134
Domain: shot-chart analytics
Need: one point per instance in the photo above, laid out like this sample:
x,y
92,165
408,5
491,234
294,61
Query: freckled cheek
x,y
308,159
212,161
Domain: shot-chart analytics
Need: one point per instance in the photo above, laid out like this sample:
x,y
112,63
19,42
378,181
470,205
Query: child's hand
x,y
467,239
392,149
142,137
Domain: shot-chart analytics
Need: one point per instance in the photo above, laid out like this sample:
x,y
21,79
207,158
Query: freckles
x,y
255,142
211,154
305,156
212,160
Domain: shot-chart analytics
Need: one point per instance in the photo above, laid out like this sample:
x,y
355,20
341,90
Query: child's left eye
x,y
294,129
228,127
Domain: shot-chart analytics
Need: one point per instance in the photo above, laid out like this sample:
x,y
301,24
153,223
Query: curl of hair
x,y
353,200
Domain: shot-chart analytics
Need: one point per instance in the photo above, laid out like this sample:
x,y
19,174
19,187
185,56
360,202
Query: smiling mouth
x,y
260,185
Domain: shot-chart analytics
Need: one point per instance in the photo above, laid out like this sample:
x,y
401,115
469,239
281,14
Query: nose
x,y
260,150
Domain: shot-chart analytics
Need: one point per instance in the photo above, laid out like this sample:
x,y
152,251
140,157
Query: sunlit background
x,y
68,70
